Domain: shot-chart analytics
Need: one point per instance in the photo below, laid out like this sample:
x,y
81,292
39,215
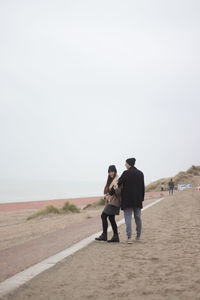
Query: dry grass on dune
x,y
50,209
67,208
191,176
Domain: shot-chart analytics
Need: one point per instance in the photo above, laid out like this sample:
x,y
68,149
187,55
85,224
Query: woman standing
x,y
112,207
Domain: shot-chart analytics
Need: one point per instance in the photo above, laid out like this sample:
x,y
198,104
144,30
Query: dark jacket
x,y
171,184
133,188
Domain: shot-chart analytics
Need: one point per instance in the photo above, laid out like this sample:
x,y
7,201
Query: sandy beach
x,y
163,265
16,230
24,243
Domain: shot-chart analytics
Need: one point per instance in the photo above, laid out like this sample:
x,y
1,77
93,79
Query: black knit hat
x,y
131,161
112,168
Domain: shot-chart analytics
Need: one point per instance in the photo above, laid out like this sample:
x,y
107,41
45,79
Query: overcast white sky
x,y
85,84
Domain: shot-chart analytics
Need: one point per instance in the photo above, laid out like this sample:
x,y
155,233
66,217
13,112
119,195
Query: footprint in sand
x,y
131,275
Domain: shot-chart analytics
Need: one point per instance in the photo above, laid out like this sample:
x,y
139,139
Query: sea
x,y
36,190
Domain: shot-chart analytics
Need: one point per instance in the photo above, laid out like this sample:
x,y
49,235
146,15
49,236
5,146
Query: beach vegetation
x,y
50,209
101,202
87,206
68,207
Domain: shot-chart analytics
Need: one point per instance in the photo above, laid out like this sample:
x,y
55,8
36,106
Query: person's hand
x,y
107,197
115,183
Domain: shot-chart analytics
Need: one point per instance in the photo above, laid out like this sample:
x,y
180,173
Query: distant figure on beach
x,y
132,197
162,187
171,187
113,198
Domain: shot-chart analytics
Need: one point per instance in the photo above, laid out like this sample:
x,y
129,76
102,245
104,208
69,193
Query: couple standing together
x,y
125,192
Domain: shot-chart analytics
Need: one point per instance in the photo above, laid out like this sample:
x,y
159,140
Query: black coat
x,y
133,188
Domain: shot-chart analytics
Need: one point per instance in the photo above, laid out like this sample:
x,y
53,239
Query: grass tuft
x,y
50,209
101,202
87,206
70,208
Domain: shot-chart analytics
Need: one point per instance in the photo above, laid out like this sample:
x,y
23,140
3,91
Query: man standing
x,y
132,197
171,187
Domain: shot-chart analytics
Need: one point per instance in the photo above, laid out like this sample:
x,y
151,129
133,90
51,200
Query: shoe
x,y
137,238
102,237
114,239
129,241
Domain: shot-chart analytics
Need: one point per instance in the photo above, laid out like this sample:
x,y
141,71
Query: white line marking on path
x,y
20,278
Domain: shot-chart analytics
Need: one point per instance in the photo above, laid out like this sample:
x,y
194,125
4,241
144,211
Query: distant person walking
x,y
113,198
132,197
162,187
171,187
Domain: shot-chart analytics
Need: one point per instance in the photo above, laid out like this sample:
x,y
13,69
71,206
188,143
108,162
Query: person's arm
x,y
112,191
143,187
123,178
116,190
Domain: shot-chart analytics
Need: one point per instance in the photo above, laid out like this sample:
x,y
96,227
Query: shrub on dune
x,y
87,206
50,209
70,208
101,202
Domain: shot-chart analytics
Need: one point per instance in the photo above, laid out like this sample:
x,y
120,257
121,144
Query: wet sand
x,y
163,265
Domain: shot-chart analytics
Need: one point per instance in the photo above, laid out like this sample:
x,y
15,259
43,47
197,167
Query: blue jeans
x,y
171,189
128,212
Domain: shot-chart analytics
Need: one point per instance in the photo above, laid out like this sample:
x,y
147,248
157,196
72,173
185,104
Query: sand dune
x,y
191,176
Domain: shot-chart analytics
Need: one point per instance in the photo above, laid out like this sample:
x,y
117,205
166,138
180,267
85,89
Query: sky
x,y
87,84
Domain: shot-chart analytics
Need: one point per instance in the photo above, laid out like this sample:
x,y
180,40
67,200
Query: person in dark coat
x,y
171,186
132,197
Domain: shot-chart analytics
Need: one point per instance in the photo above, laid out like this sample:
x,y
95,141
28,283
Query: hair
x,y
108,183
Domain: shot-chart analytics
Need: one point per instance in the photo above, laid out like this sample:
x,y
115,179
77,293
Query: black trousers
x,y
104,218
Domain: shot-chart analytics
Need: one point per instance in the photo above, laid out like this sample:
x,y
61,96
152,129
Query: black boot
x,y
114,239
102,237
